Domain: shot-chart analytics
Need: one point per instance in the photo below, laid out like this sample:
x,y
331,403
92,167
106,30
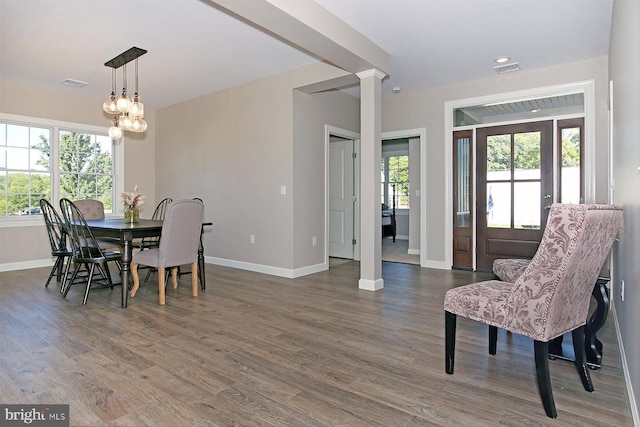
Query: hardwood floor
x,y
258,350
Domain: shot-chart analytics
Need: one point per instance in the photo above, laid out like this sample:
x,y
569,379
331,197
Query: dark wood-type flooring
x,y
258,350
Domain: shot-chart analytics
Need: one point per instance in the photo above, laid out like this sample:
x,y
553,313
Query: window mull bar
x,y
131,110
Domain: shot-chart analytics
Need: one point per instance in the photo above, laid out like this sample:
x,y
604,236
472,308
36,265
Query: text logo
x,y
34,415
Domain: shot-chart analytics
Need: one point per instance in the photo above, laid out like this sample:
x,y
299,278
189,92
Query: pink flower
x,y
133,198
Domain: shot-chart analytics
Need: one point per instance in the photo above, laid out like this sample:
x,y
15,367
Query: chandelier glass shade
x,y
129,112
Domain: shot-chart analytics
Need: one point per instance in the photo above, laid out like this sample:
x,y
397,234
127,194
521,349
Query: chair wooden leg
x,y
450,340
64,290
88,288
493,339
579,350
66,274
161,285
174,277
194,279
541,350
136,279
55,270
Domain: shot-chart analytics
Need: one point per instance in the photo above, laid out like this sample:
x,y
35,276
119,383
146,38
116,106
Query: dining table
x,y
124,233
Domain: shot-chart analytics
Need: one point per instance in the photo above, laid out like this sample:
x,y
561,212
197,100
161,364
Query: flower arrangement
x,y
133,198
131,201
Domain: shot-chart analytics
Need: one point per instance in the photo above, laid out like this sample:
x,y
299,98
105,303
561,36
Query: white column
x,y
370,157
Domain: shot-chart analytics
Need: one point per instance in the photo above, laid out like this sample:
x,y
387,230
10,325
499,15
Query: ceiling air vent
x,y
507,68
74,83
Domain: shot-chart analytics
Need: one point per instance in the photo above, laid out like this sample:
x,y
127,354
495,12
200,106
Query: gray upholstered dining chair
x,y
57,239
179,242
153,242
550,298
92,209
86,251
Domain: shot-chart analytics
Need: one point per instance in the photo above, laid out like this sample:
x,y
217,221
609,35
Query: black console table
x,y
593,346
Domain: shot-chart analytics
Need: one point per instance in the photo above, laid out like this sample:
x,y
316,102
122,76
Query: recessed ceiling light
x,y
396,89
502,60
535,110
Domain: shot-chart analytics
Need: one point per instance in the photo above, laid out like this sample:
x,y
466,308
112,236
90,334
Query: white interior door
x,y
341,199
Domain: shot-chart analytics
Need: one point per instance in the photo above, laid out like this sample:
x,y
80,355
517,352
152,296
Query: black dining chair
x,y
86,251
57,240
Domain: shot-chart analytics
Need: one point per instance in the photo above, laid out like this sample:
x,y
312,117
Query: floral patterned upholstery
x,y
508,270
551,296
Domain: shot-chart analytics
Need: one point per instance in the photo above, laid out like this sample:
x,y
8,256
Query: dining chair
x,y
179,242
57,240
201,271
158,214
86,250
153,242
550,298
90,208
93,209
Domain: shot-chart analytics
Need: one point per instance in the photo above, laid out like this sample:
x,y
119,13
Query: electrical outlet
x,y
622,290
252,239
314,240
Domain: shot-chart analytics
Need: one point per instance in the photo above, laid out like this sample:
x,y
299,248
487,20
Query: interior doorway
x,y
342,200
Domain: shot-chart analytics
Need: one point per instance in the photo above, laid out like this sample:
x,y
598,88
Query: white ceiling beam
x,y
309,26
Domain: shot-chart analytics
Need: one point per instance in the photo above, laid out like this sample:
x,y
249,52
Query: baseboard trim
x,y
268,269
25,265
440,265
371,285
625,370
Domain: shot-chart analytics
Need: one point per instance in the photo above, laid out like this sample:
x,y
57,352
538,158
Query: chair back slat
x,y
158,214
55,226
83,242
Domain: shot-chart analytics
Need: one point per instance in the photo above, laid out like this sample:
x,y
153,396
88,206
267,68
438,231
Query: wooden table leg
x,y
126,255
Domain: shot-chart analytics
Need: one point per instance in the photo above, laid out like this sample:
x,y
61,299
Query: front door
x,y
341,199
514,192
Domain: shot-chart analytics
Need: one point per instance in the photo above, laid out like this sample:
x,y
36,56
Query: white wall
x,y
24,247
425,109
310,115
624,71
236,149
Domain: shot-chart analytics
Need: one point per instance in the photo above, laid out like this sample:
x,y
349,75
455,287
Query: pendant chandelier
x,y
128,112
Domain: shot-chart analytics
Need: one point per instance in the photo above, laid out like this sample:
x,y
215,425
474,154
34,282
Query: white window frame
x,y
385,159
56,127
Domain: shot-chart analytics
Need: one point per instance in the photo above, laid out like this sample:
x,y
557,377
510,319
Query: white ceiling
x,y
194,48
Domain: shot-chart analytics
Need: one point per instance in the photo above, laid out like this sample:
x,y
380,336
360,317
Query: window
x,y
395,176
25,172
570,152
45,159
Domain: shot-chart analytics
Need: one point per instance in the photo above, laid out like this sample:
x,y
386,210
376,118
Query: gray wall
x,y
624,71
